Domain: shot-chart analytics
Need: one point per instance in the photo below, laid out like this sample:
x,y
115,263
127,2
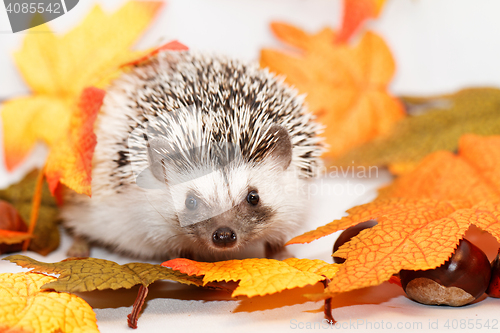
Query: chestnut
x,y
459,281
494,287
349,233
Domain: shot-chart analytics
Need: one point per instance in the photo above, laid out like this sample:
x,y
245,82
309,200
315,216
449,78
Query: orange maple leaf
x,y
421,216
58,69
258,277
346,86
410,234
473,174
356,12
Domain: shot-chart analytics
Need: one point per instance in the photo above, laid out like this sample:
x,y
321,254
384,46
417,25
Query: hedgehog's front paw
x,y
277,251
79,249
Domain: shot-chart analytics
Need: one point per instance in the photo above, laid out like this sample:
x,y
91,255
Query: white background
x,y
440,46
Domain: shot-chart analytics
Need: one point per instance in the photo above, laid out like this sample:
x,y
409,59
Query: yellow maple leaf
x,y
57,69
345,86
258,277
26,308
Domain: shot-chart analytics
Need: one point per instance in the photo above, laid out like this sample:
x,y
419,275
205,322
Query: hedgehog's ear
x,y
156,159
281,148
154,176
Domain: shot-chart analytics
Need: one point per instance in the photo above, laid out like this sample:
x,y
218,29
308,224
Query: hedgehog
x,y
199,156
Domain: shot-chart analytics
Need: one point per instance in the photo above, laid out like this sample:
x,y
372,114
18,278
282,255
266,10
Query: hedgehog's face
x,y
222,211
231,209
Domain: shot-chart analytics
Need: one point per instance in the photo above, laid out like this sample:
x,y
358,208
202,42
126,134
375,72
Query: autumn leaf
x,y
436,123
11,237
172,46
472,175
27,308
70,162
58,69
421,217
13,229
20,195
88,274
345,86
356,12
411,234
258,277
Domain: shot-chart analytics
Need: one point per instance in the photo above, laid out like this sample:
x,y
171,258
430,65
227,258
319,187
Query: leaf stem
x,y
35,206
328,305
139,302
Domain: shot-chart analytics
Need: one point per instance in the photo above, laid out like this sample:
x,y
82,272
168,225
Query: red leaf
x,y
70,162
172,46
355,13
12,228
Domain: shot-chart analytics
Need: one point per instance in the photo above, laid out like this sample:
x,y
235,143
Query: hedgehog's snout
x,y
224,237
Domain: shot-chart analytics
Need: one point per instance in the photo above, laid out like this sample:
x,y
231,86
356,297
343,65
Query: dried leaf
x,y
46,234
58,69
437,124
345,86
258,277
421,217
356,12
27,308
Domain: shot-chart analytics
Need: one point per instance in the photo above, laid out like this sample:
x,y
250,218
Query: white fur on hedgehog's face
x,y
224,203
228,209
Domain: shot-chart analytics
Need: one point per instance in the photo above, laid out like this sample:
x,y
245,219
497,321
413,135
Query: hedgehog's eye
x,y
191,203
253,197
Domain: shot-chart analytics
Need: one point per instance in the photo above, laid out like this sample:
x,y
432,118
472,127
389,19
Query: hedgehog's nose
x,y
224,237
